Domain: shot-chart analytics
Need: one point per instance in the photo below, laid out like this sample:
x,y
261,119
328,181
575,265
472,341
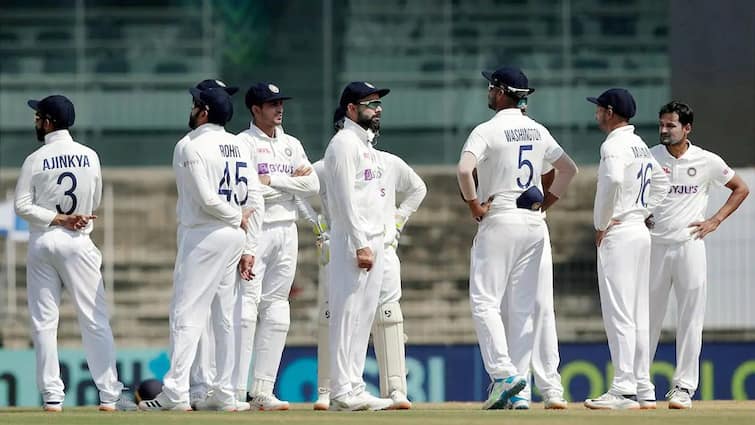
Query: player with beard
x,y
353,172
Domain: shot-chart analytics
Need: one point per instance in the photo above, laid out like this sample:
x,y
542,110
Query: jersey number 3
x,y
224,188
69,193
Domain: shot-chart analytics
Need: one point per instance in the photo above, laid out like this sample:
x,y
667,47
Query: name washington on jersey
x,y
522,134
65,161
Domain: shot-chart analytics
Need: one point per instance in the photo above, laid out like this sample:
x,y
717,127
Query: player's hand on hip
x,y
246,264
245,214
479,210
599,234
702,228
365,258
302,171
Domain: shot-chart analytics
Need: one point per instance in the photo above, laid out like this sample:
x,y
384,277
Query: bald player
x,y
222,215
677,252
508,151
630,185
59,187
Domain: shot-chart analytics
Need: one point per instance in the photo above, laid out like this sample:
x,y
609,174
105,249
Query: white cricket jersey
x,y
691,177
630,181
279,157
177,156
61,177
352,176
510,149
212,175
319,168
398,177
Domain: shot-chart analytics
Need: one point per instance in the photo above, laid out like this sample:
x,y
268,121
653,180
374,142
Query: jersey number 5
x,y
68,193
224,188
525,163
644,177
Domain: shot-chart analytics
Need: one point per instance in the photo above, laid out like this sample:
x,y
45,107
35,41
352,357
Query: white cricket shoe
x,y
161,402
323,399
555,400
647,404
518,403
212,402
53,406
501,390
268,402
121,405
679,398
400,401
612,401
348,402
374,403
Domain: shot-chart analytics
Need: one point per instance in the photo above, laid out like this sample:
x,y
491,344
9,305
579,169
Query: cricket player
x,y
677,250
353,179
285,172
508,152
59,187
630,185
203,369
222,216
541,361
387,333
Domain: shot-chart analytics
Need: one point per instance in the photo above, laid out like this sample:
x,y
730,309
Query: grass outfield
x,y
725,412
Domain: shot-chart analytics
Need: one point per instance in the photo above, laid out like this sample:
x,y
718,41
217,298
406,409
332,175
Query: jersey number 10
x,y
224,188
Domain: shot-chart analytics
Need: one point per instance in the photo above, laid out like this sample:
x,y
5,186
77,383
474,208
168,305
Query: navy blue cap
x,y
263,92
358,90
57,108
218,103
530,199
215,84
511,78
620,100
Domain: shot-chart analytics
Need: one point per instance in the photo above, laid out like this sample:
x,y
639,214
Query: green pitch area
x,y
703,413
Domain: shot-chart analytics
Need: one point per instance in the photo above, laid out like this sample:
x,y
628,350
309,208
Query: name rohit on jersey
x,y
230,151
682,189
641,152
522,134
65,161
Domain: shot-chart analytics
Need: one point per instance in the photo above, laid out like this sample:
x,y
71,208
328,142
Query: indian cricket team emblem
x,y
369,85
289,152
691,171
220,83
273,88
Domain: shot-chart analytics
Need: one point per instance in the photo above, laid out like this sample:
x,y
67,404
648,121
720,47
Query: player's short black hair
x,y
686,116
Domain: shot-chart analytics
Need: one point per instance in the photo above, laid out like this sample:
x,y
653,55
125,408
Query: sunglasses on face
x,y
372,104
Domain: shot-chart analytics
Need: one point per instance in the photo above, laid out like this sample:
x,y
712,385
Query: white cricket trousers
x,y
505,257
204,280
62,258
275,268
623,280
683,267
542,359
353,295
